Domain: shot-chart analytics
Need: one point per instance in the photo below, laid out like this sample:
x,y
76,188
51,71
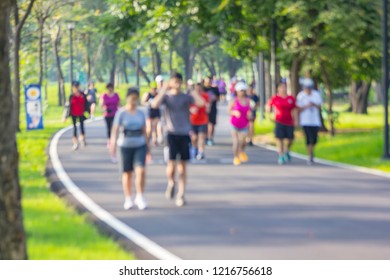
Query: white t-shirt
x,y
309,116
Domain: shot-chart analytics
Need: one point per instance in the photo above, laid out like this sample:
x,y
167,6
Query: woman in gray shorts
x,y
129,134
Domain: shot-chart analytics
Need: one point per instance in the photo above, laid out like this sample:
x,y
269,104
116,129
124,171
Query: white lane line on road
x,y
148,245
333,163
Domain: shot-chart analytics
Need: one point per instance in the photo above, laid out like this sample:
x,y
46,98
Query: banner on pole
x,y
34,116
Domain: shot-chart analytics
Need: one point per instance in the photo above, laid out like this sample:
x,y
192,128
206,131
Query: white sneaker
x,y
128,204
180,202
140,202
75,147
114,159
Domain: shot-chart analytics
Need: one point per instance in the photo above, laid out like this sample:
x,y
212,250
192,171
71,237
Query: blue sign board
x,y
33,98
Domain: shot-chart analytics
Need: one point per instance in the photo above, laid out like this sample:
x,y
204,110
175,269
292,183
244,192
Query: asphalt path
x,y
258,210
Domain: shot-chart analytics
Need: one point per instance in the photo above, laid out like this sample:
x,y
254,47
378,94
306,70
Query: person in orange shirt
x,y
199,120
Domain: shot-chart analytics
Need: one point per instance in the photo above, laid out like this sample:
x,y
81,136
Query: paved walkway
x,y
254,211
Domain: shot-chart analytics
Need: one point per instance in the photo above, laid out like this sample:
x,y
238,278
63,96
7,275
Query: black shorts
x,y
132,157
179,145
213,117
311,133
154,114
284,131
199,129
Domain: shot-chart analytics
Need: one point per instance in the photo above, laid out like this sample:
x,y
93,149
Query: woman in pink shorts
x,y
240,115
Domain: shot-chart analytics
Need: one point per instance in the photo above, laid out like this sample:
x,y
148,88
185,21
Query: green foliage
x,y
55,230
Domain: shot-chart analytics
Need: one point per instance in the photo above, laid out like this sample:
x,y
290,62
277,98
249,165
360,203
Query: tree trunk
x,y
113,66
359,96
60,75
233,66
329,94
12,236
89,78
142,71
156,60
40,50
19,23
96,58
125,69
170,61
294,75
268,79
378,93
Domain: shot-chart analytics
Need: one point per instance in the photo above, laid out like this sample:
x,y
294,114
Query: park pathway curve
x,y
258,210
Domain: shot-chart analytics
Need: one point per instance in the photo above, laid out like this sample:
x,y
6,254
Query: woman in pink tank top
x,y
110,103
240,114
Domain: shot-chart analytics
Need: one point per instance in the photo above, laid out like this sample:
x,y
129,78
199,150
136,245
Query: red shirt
x,y
283,108
77,105
199,115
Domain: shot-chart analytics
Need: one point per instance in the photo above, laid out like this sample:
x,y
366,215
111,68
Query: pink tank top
x,y
111,104
242,121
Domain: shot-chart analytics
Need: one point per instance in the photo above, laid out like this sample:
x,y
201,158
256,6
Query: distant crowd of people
x,y
183,120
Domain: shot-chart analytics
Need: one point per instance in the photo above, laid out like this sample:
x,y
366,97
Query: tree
x,y
12,237
19,23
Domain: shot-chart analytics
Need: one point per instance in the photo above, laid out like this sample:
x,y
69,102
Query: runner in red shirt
x,y
284,129
199,120
78,105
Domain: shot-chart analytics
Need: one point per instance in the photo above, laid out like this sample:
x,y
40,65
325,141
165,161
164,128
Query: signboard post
x,y
33,101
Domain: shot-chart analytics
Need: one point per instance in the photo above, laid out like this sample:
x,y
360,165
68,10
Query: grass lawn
x,y
54,230
359,140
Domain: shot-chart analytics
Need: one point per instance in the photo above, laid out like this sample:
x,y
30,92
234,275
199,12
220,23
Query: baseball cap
x,y
307,83
241,86
153,84
159,79
75,83
190,82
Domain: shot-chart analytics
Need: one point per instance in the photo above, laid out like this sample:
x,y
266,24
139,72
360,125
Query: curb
x,y
360,169
102,215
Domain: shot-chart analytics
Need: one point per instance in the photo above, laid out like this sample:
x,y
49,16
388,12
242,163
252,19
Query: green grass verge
x,y
359,140
55,230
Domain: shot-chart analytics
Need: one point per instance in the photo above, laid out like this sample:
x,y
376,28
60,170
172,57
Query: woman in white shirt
x,y
309,103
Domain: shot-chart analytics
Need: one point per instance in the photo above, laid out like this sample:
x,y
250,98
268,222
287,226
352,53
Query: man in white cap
x,y
309,103
159,80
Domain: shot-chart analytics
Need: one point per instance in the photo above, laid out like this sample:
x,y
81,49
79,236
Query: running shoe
x,y
170,191
84,143
193,152
200,156
244,157
281,160
140,202
128,204
75,147
236,161
287,156
180,201
114,159
310,161
210,142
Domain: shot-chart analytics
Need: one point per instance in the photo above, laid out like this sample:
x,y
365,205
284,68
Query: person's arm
x,y
270,116
114,134
232,112
145,99
101,101
198,99
157,101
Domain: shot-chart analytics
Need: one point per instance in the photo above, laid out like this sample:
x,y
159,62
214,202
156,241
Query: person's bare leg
x,y
310,151
289,144
93,106
201,142
280,143
182,171
194,140
171,172
235,144
126,183
75,141
154,130
148,129
140,179
210,131
242,140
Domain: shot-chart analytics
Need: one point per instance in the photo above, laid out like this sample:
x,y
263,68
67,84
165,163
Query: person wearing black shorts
x,y
153,115
213,93
177,115
284,122
309,104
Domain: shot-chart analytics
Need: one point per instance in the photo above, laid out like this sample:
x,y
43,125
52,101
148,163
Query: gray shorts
x,y
240,130
132,157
